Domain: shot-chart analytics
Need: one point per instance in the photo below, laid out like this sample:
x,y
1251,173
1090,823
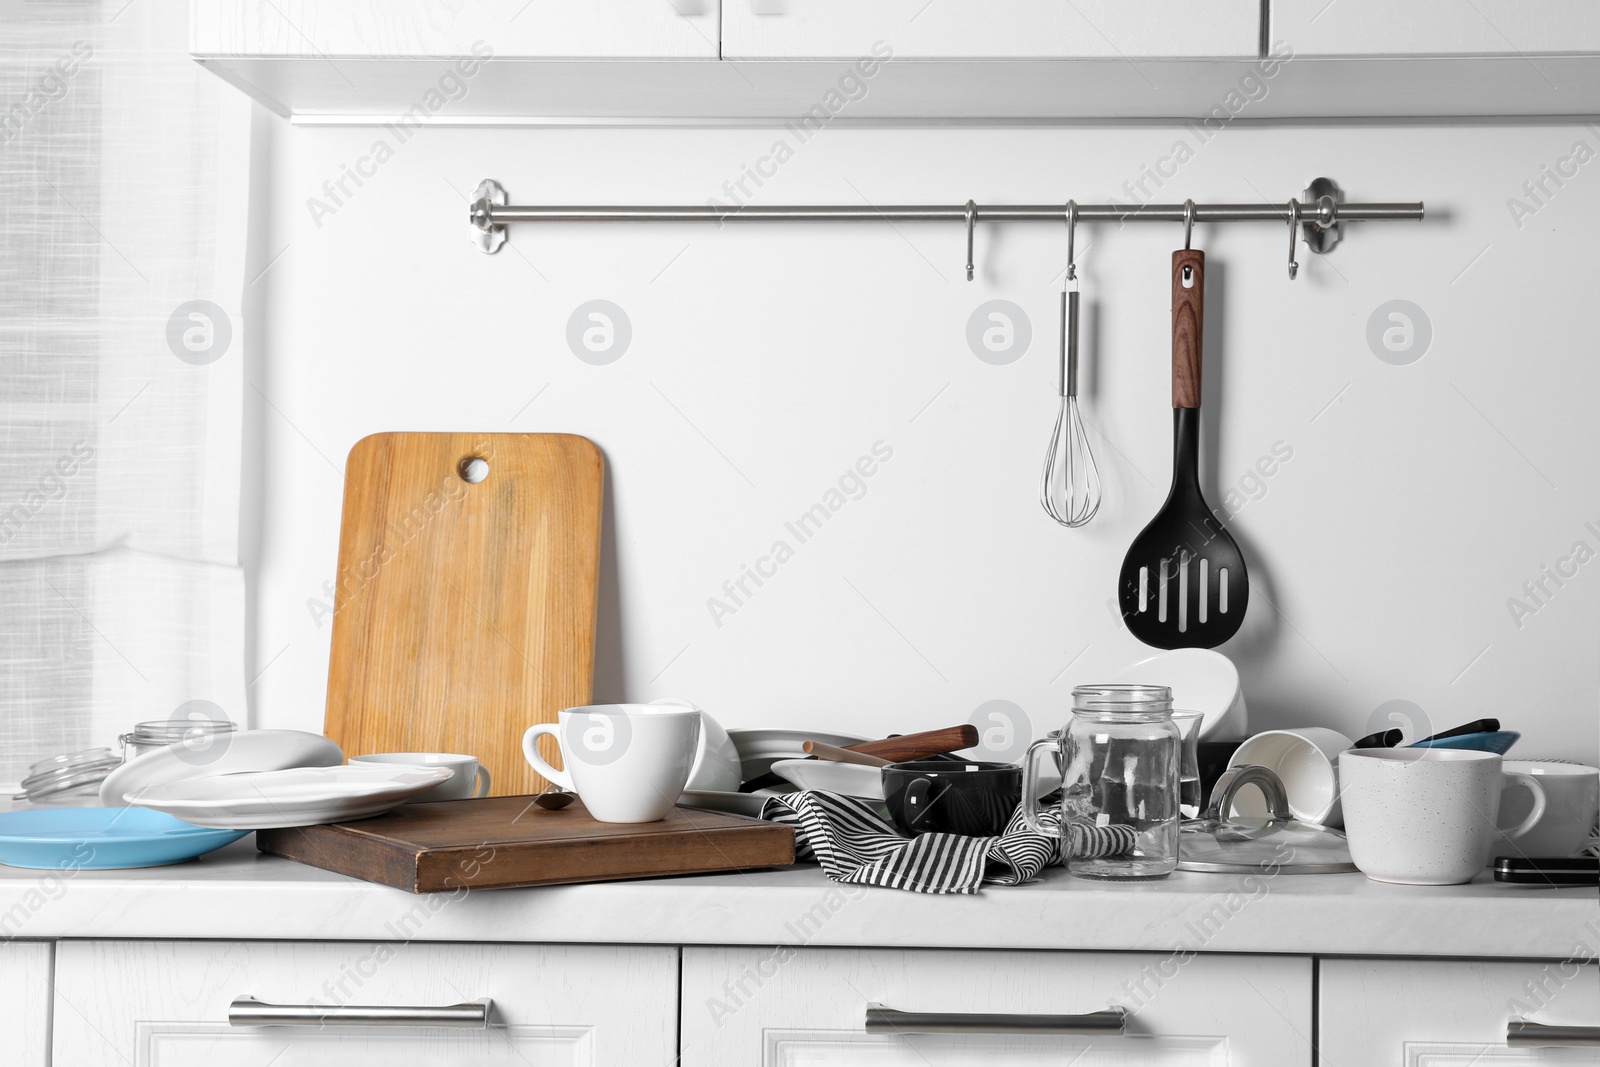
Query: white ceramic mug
x,y
1306,762
1426,816
1572,804
626,762
469,780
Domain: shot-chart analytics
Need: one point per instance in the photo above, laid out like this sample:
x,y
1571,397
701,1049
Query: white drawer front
x,y
1421,1013
808,1006
165,1004
25,1003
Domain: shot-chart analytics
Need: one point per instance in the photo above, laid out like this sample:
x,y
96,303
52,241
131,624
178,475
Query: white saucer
x,y
248,750
305,796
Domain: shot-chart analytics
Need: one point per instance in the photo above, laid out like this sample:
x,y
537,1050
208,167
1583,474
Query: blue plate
x,y
1500,741
102,839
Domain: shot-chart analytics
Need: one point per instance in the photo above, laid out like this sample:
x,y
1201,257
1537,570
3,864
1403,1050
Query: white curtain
x,y
124,173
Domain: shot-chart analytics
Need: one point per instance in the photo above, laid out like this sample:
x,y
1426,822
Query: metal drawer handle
x,y
1520,1034
248,1011
881,1020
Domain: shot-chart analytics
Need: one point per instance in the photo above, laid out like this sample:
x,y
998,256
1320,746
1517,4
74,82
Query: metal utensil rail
x,y
1316,214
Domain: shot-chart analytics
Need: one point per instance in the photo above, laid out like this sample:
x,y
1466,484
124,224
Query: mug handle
x,y
530,752
485,783
1531,783
1030,789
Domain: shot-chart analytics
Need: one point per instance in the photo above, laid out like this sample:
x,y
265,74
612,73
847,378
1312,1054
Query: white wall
x,y
766,359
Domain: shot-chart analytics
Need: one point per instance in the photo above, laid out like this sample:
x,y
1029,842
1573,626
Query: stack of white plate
x,y
257,779
758,751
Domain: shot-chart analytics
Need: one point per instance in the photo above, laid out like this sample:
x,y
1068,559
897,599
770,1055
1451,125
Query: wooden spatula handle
x,y
825,751
920,746
1188,323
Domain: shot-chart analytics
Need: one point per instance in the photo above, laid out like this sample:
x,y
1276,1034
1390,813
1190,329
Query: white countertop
x,y
238,893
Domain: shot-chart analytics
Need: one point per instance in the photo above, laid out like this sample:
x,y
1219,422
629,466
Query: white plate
x,y
305,796
248,750
764,742
851,779
1201,680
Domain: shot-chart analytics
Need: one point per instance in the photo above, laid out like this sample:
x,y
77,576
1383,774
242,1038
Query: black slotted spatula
x,y
1183,583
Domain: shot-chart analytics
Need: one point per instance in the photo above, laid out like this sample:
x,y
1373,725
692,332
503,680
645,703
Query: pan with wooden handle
x,y
893,749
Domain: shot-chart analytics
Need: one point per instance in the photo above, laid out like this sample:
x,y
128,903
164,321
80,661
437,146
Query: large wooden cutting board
x,y
464,613
508,841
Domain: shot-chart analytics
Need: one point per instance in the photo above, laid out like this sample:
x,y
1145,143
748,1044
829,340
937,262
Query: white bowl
x,y
851,779
716,760
1201,680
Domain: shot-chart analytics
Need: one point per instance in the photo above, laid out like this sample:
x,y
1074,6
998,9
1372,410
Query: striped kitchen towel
x,y
853,844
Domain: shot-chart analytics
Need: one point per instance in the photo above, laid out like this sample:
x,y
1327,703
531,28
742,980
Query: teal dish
x,y
1499,741
102,839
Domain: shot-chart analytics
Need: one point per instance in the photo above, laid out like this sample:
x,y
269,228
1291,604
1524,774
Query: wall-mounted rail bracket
x,y
487,234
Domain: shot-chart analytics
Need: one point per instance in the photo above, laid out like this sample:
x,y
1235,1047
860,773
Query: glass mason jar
x,y
72,779
1120,758
147,737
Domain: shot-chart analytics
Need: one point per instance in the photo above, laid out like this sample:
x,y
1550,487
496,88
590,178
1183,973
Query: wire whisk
x,y
1070,487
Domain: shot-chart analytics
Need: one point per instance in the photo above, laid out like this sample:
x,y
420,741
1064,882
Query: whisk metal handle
x,y
1069,343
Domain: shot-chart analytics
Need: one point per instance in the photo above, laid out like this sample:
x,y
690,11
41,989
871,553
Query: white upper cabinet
x,y
1437,27
1013,29
374,29
533,62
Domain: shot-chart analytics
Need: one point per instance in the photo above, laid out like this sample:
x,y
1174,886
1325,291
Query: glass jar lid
x,y
67,773
1221,843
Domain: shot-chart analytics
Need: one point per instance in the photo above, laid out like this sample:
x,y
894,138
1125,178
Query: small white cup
x,y
471,778
1426,816
1306,761
626,762
1572,804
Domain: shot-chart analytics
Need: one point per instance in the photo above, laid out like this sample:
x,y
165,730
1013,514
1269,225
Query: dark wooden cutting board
x,y
501,842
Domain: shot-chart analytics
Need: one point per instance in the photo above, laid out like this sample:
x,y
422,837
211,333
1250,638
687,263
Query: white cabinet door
x,y
786,1006
920,29
1437,1013
165,1004
25,1003
658,29
1436,27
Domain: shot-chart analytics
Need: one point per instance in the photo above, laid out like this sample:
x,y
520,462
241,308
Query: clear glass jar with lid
x,y
1120,758
197,733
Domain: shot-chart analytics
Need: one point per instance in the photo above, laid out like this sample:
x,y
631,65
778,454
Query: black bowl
x,y
945,796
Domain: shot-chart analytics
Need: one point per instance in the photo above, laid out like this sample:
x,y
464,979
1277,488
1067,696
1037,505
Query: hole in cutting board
x,y
473,469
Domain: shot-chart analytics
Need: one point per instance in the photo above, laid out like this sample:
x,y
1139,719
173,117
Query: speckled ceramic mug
x,y
1425,816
